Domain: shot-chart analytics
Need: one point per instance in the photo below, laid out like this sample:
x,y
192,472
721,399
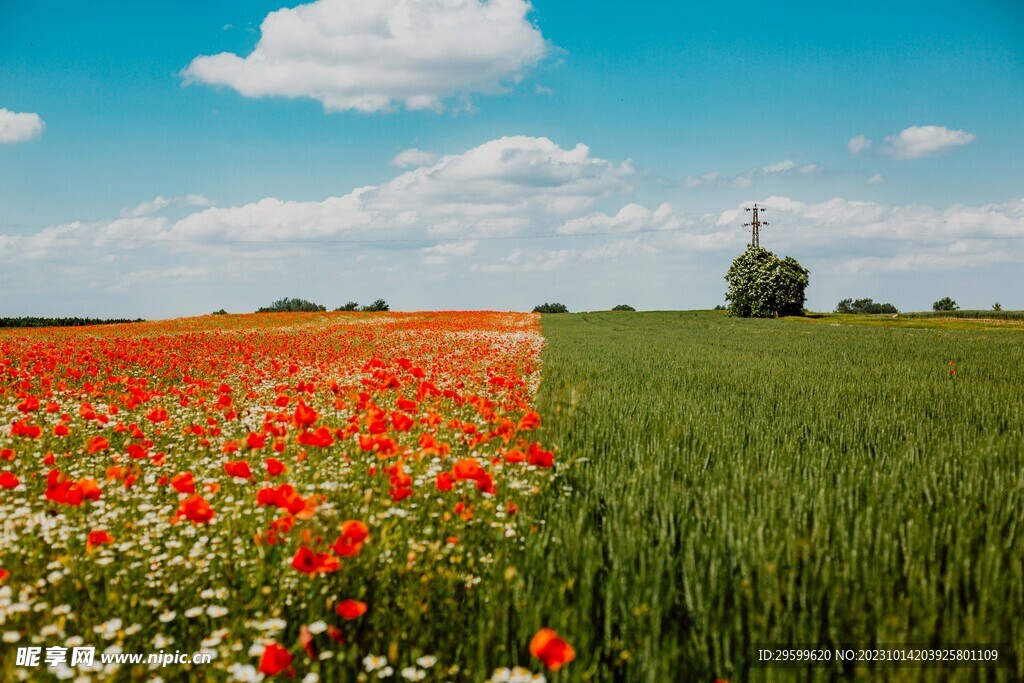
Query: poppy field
x,y
300,495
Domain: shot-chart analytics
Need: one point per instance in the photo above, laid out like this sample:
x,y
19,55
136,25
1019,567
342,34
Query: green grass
x,y
987,314
954,320
732,482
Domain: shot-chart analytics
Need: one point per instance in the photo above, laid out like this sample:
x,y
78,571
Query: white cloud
x,y
839,220
146,208
18,126
857,144
507,186
413,157
435,237
197,200
705,179
159,204
374,55
630,218
921,141
786,167
778,167
452,248
877,179
518,262
945,258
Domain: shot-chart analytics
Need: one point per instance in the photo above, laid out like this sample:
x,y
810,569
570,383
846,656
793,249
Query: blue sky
x,y
141,185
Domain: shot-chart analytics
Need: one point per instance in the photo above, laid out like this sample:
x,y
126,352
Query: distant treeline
x,y
63,322
864,306
992,315
287,305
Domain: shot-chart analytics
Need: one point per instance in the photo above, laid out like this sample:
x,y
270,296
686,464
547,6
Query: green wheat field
x,y
743,482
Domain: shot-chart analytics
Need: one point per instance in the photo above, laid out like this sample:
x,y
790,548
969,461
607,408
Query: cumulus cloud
x,y
779,167
413,157
504,187
708,178
857,144
19,126
839,219
922,141
159,204
786,167
630,218
376,55
462,230
877,179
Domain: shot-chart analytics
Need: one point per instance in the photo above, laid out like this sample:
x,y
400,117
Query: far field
x,y
730,482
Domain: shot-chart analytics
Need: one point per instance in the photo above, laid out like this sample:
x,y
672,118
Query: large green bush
x,y
550,308
376,307
287,305
761,285
864,306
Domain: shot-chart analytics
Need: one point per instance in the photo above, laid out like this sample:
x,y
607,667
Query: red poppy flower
x,y
22,428
549,648
304,415
401,422
97,444
400,493
8,480
274,659
196,509
238,468
445,481
529,421
321,438
350,542
90,488
351,609
30,404
540,457
468,468
310,562
183,483
157,415
98,538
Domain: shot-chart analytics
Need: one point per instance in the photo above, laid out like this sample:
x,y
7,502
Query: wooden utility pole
x,y
755,225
